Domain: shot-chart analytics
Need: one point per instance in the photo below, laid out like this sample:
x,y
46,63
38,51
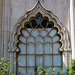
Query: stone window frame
x,y
62,30
42,28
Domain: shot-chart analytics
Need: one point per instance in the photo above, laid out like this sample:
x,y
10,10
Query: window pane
x,y
49,29
33,23
47,60
25,33
22,71
50,26
39,48
30,71
44,23
47,39
47,68
58,70
39,60
21,60
35,32
28,26
57,60
47,48
22,39
56,47
53,32
30,39
29,30
30,48
39,39
56,38
43,32
39,19
30,60
39,26
22,48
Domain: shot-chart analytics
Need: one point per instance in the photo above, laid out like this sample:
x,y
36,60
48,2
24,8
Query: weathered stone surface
x,y
1,10
13,10
59,7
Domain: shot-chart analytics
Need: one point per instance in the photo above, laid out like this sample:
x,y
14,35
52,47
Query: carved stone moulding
x,y
39,8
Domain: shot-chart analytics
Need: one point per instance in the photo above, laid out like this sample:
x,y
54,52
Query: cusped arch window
x,y
39,43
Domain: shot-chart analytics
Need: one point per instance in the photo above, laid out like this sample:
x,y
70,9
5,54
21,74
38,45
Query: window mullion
x,y
35,54
26,56
52,53
43,52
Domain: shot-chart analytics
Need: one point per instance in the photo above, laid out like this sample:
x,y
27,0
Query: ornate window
x,y
40,39
39,43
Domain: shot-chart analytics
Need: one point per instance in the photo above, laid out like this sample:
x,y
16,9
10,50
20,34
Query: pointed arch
x,y
39,9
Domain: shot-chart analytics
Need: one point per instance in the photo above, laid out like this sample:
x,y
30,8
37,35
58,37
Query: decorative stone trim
x,y
62,30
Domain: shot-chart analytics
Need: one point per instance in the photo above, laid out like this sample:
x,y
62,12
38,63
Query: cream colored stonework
x,y
1,13
12,12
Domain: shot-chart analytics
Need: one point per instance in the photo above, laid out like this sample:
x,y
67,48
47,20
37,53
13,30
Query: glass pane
x,y
53,32
47,68
33,22
57,60
28,26
39,39
30,60
49,26
22,39
39,60
49,29
44,23
30,71
30,39
39,48
22,48
47,39
56,47
47,60
56,38
25,33
39,19
58,70
30,48
35,32
43,33
29,30
39,26
47,48
21,71
21,60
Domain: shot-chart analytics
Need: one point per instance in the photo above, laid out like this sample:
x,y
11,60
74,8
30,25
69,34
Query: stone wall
x,y
60,8
1,10
13,10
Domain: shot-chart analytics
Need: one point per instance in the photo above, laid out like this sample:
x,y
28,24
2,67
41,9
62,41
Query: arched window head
x,y
39,44
39,39
39,22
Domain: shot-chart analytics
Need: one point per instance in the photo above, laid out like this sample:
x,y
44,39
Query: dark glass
x,y
39,26
34,24
28,26
50,26
44,23
39,19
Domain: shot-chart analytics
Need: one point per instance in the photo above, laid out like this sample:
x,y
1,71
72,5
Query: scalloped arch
x,y
39,8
